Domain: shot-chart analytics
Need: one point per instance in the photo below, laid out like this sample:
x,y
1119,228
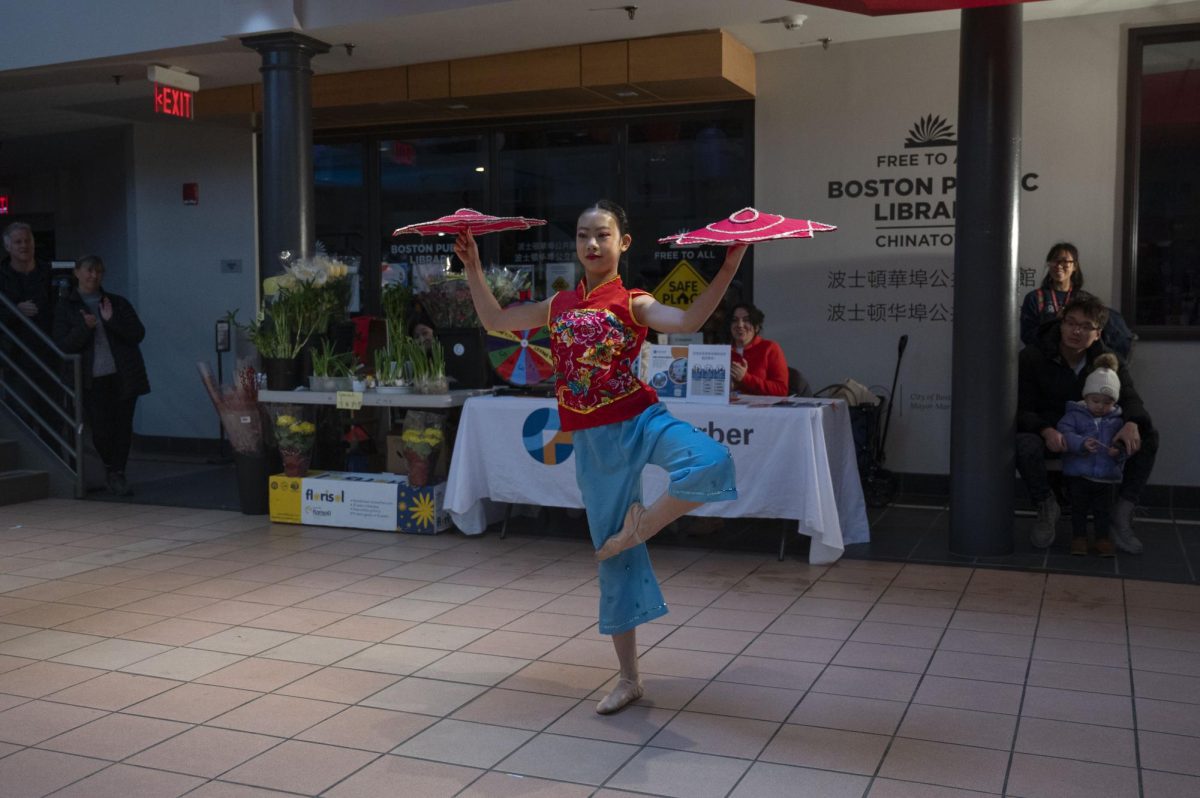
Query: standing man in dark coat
x,y
24,280
106,331
1050,374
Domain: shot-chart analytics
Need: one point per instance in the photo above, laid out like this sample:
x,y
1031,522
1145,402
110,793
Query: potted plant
x,y
428,366
448,302
396,301
299,305
295,438
392,373
420,447
332,371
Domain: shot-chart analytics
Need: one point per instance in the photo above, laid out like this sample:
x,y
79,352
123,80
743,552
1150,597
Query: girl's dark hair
x,y
420,318
756,316
615,211
1065,248
90,260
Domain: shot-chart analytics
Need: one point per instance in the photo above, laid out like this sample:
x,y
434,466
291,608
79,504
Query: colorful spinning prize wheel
x,y
521,357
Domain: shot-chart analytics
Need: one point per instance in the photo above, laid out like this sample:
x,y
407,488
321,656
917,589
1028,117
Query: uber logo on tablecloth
x,y
544,438
734,436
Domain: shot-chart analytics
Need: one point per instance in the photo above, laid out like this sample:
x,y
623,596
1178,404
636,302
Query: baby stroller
x,y
870,417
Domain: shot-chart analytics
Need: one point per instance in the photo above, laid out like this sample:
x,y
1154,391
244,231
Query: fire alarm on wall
x,y
191,193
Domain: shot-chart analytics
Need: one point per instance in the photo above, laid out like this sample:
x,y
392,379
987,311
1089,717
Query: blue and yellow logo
x,y
544,439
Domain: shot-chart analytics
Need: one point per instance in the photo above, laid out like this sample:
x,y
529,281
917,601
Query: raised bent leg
x,y
643,523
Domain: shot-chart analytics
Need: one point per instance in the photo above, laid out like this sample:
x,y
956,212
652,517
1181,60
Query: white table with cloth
x,y
793,460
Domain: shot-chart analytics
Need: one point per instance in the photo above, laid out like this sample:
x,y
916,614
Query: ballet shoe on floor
x,y
626,692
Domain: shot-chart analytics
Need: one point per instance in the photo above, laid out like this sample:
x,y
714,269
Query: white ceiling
x,y
84,94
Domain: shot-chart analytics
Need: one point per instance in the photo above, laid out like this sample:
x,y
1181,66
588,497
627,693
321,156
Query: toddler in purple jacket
x,y
1092,466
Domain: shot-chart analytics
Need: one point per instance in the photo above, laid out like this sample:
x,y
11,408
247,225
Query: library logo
x,y
544,438
931,131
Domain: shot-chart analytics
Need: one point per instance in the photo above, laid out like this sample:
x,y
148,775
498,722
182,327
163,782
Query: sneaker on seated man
x,y
1052,372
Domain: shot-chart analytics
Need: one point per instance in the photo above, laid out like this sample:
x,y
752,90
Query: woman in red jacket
x,y
758,367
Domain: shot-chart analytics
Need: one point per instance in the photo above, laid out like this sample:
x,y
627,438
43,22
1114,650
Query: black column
x,y
286,213
983,387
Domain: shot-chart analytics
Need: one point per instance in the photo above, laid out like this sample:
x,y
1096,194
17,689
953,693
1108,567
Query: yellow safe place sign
x,y
681,286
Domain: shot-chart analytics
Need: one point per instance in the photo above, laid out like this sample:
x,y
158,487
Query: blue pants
x,y
608,465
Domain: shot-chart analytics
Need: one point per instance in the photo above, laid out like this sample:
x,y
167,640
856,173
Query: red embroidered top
x,y
594,339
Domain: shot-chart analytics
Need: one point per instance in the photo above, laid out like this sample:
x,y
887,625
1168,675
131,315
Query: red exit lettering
x,y
172,102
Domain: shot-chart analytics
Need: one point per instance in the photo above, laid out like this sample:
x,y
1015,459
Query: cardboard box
x,y
284,498
421,511
396,464
383,502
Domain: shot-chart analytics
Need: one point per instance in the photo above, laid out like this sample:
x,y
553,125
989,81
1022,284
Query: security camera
x,y
794,21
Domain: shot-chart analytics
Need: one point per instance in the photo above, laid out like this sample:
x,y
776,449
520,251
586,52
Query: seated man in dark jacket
x,y
1051,374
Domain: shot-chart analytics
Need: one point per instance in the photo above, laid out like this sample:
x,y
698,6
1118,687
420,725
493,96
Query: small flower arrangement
x,y
448,299
294,434
300,304
237,406
295,437
422,441
319,270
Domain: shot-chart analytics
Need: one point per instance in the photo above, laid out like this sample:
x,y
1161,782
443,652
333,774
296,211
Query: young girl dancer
x,y
618,424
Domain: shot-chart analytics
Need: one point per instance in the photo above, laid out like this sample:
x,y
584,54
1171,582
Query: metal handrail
x,y
72,391
28,381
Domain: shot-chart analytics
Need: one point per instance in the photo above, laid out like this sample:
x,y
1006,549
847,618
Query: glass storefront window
x,y
340,202
671,169
551,174
1162,231
683,173
421,179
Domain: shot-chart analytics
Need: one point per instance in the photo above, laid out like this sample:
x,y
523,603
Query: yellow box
x,y
284,494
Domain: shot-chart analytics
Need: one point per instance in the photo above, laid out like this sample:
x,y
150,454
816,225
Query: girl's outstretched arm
x,y
674,320
491,315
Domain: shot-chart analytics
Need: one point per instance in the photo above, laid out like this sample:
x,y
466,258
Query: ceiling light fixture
x,y
630,10
790,22
172,76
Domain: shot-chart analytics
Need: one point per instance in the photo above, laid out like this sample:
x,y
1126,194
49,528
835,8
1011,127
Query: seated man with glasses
x,y
1050,374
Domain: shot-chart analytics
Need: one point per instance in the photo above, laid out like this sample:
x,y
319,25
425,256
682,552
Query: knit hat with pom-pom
x,y
1103,380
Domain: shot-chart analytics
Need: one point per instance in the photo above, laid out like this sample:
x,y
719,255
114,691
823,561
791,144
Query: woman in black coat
x,y
106,331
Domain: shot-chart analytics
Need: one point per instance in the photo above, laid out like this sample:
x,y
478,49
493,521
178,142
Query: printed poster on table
x,y
664,368
708,373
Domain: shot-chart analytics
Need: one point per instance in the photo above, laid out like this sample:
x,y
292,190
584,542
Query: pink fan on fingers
x,y
468,219
748,226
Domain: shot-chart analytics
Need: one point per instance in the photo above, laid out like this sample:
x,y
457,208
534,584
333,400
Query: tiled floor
x,y
921,533
149,651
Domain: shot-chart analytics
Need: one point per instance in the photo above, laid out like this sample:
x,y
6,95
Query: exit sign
x,y
171,101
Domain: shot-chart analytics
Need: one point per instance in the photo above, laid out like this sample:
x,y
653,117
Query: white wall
x,y
78,180
828,115
176,250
